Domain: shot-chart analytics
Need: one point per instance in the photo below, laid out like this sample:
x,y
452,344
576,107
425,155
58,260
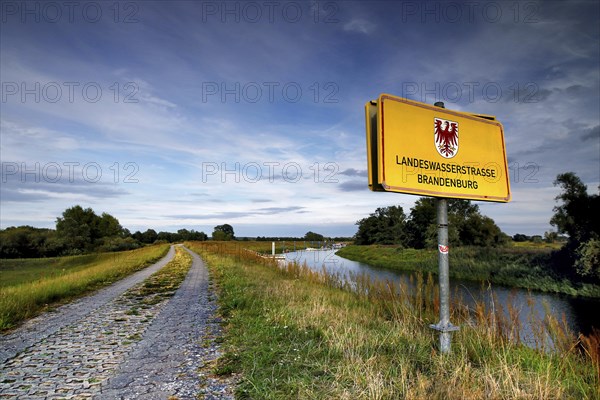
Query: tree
x,y
462,209
384,226
422,215
313,237
109,226
466,226
117,243
81,230
149,236
223,232
78,228
577,215
200,236
519,237
27,241
479,230
183,234
137,235
165,236
550,236
587,263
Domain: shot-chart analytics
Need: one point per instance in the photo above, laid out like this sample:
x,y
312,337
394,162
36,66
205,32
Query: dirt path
x,y
98,348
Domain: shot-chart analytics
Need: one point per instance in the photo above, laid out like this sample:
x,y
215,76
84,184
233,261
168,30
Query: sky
x,y
192,114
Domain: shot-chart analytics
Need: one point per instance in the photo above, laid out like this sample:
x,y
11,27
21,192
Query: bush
x,y
119,244
588,261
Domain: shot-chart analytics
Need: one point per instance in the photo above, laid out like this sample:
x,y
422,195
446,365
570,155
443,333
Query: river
x,y
581,314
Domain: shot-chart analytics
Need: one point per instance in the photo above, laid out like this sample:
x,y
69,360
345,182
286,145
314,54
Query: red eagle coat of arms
x,y
446,137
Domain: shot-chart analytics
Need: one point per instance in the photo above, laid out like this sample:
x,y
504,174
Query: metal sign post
x,y
444,326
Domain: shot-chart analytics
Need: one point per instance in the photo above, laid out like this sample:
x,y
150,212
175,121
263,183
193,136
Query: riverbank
x,y
295,333
522,267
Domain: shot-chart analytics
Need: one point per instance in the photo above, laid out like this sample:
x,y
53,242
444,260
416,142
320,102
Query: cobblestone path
x,y
37,329
120,347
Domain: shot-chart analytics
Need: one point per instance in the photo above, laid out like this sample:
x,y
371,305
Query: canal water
x,y
581,314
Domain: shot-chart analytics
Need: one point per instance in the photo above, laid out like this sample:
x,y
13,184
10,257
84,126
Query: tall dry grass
x,y
297,333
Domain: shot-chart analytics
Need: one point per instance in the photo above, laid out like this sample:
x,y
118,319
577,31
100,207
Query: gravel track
x,y
98,348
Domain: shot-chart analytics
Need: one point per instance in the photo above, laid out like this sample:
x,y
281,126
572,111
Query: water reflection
x,y
581,314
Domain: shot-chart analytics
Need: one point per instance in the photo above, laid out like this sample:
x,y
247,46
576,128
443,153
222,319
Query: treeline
x,y
308,237
80,231
151,236
549,237
576,216
466,226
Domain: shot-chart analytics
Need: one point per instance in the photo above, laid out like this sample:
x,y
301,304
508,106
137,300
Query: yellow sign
x,y
421,149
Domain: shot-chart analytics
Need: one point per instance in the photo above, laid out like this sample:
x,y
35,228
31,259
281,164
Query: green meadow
x,y
30,286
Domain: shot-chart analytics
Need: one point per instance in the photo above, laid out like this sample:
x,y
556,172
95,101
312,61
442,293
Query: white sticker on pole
x,y
443,249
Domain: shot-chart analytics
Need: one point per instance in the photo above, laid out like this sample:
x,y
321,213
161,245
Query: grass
x,y
165,282
30,286
264,247
539,245
295,333
17,271
519,266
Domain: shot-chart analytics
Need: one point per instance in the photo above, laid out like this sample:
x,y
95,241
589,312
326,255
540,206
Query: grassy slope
x,y
511,266
23,270
291,334
31,285
265,247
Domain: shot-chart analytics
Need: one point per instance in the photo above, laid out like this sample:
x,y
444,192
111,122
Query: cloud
x,y
266,211
530,93
277,210
359,25
13,190
353,186
354,172
591,134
